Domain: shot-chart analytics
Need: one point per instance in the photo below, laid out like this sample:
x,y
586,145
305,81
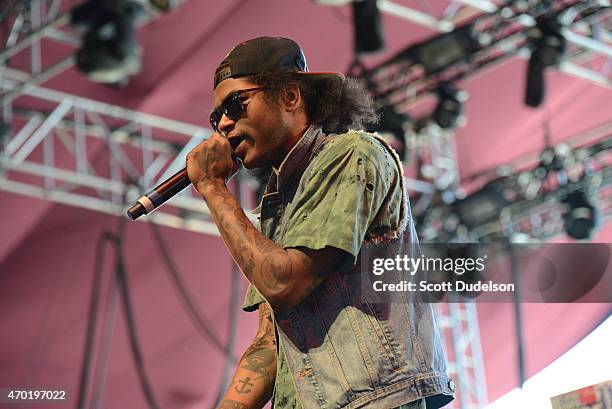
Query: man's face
x,y
259,135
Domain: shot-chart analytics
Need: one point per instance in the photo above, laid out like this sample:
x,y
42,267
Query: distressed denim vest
x,y
342,351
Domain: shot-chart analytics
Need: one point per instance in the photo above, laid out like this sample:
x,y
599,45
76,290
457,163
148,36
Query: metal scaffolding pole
x,y
97,156
458,322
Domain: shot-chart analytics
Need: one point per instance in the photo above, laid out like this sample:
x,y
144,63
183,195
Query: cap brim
x,y
324,74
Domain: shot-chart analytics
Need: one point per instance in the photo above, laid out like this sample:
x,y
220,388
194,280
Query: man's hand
x,y
211,162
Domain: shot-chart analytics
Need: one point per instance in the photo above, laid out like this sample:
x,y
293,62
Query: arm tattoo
x,y
263,244
263,363
253,381
263,262
278,274
244,385
276,270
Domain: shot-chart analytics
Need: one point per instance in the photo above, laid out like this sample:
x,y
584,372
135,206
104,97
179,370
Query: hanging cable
x,y
119,279
129,315
92,320
181,289
108,329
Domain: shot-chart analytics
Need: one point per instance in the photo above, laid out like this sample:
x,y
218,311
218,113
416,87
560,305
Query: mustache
x,y
237,139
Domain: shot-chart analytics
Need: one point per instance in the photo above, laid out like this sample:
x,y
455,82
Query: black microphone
x,y
159,195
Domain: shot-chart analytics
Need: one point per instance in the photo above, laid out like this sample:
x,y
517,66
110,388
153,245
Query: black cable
x,y
122,279
518,315
108,328
92,320
226,377
197,319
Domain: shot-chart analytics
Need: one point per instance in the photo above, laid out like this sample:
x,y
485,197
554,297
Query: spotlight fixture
x,y
547,52
446,49
109,53
581,216
483,206
367,27
391,126
449,111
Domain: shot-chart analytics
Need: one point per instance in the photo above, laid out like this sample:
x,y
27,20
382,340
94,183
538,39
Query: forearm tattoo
x,y
263,262
254,379
260,356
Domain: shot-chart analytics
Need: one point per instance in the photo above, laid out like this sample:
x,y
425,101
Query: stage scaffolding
x,y
458,323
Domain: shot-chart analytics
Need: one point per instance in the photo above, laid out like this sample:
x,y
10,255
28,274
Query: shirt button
x,y
451,385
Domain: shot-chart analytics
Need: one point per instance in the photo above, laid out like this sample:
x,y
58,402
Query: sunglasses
x,y
232,107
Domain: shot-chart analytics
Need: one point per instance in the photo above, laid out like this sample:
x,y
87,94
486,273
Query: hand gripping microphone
x,y
159,195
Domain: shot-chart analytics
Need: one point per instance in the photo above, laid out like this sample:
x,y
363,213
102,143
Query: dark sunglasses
x,y
232,107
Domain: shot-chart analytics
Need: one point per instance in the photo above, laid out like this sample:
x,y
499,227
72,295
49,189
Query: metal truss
x,y
458,323
97,156
503,29
537,214
527,203
102,157
436,154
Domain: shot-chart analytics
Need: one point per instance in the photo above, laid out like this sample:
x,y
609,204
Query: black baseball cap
x,y
266,54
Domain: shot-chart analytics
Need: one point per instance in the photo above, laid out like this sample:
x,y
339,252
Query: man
x,y
319,343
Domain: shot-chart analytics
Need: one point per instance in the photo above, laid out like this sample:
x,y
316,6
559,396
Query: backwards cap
x,y
265,54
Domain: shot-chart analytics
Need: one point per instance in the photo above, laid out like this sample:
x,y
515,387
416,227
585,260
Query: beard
x,y
271,149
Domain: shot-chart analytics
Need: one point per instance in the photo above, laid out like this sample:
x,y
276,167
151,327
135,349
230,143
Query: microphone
x,y
159,195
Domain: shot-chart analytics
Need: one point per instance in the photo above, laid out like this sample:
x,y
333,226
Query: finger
x,y
218,135
198,148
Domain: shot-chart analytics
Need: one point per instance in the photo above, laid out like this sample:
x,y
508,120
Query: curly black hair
x,y
333,104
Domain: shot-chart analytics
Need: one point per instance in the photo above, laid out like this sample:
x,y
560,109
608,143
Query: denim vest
x,y
342,351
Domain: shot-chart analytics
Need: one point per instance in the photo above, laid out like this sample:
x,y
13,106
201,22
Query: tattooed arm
x,y
284,277
253,381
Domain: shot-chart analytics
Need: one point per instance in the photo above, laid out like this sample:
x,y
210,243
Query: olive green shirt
x,y
349,192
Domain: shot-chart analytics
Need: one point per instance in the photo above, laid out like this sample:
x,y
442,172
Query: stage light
x,y
449,111
446,49
367,27
391,126
109,53
483,206
547,52
581,216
